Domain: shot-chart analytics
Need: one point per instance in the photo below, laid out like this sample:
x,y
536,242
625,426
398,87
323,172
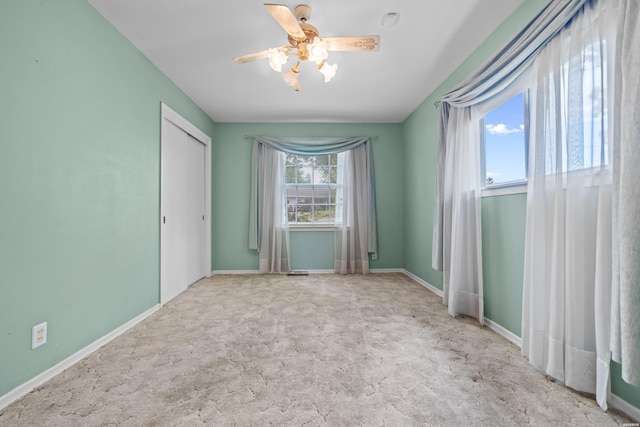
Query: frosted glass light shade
x,y
328,71
277,58
291,78
317,51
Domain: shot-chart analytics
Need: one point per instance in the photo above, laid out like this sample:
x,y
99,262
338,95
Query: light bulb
x,y
277,58
317,51
328,71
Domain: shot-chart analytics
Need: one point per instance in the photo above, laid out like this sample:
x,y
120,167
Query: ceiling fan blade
x,y
285,18
354,43
258,55
251,57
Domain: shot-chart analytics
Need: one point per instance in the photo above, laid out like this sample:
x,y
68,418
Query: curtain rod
x,y
373,138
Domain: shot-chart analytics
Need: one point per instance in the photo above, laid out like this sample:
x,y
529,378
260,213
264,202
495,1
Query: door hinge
x,y
203,217
164,219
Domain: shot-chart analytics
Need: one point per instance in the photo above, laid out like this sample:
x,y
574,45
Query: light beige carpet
x,y
319,350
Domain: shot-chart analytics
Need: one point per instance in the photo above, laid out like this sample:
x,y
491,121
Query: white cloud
x,y
493,174
502,129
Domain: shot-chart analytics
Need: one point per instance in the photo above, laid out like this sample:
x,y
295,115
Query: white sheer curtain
x,y
462,255
271,238
462,188
354,217
567,277
625,322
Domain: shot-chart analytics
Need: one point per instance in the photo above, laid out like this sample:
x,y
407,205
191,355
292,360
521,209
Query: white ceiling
x,y
193,43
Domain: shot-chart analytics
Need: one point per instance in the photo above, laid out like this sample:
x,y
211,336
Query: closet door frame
x,y
168,114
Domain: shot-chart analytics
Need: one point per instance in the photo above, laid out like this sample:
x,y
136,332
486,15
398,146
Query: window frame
x,y
313,225
510,187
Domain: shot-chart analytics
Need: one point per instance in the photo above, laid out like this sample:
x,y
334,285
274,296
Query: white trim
x,y
232,272
323,271
504,332
310,227
222,272
45,376
170,115
386,270
175,118
423,283
504,189
616,402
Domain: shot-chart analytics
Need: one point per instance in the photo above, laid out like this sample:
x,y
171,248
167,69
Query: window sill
x,y
312,227
504,189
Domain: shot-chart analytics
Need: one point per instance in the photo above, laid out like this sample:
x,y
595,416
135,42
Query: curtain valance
x,y
312,145
514,58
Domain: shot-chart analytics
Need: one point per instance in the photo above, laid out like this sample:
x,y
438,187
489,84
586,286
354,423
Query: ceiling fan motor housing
x,y
302,12
310,31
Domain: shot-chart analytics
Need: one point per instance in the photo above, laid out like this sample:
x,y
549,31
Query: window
x,y
312,188
583,113
505,143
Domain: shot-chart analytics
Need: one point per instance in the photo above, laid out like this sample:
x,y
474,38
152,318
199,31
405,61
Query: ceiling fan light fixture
x,y
328,71
305,43
317,51
291,77
277,58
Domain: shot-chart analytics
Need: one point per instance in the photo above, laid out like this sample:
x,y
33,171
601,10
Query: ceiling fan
x,y
306,44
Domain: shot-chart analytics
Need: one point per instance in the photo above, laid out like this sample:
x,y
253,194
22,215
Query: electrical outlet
x,y
38,335
374,255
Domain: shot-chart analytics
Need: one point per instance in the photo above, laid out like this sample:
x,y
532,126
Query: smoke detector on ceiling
x,y
390,19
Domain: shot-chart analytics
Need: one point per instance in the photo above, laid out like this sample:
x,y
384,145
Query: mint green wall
x,y
79,180
312,250
231,186
503,225
503,217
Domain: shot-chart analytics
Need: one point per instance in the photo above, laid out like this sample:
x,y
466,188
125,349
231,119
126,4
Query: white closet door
x,y
183,211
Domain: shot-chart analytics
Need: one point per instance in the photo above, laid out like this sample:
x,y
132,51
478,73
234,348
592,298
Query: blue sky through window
x,y
504,142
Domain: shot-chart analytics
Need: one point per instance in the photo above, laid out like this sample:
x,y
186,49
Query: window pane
x,y
304,213
290,174
322,175
305,160
324,213
332,195
504,143
290,159
321,195
322,160
304,175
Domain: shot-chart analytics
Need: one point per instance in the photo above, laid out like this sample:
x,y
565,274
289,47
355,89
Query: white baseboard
x,y
218,272
323,271
623,406
423,283
386,270
503,332
40,379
